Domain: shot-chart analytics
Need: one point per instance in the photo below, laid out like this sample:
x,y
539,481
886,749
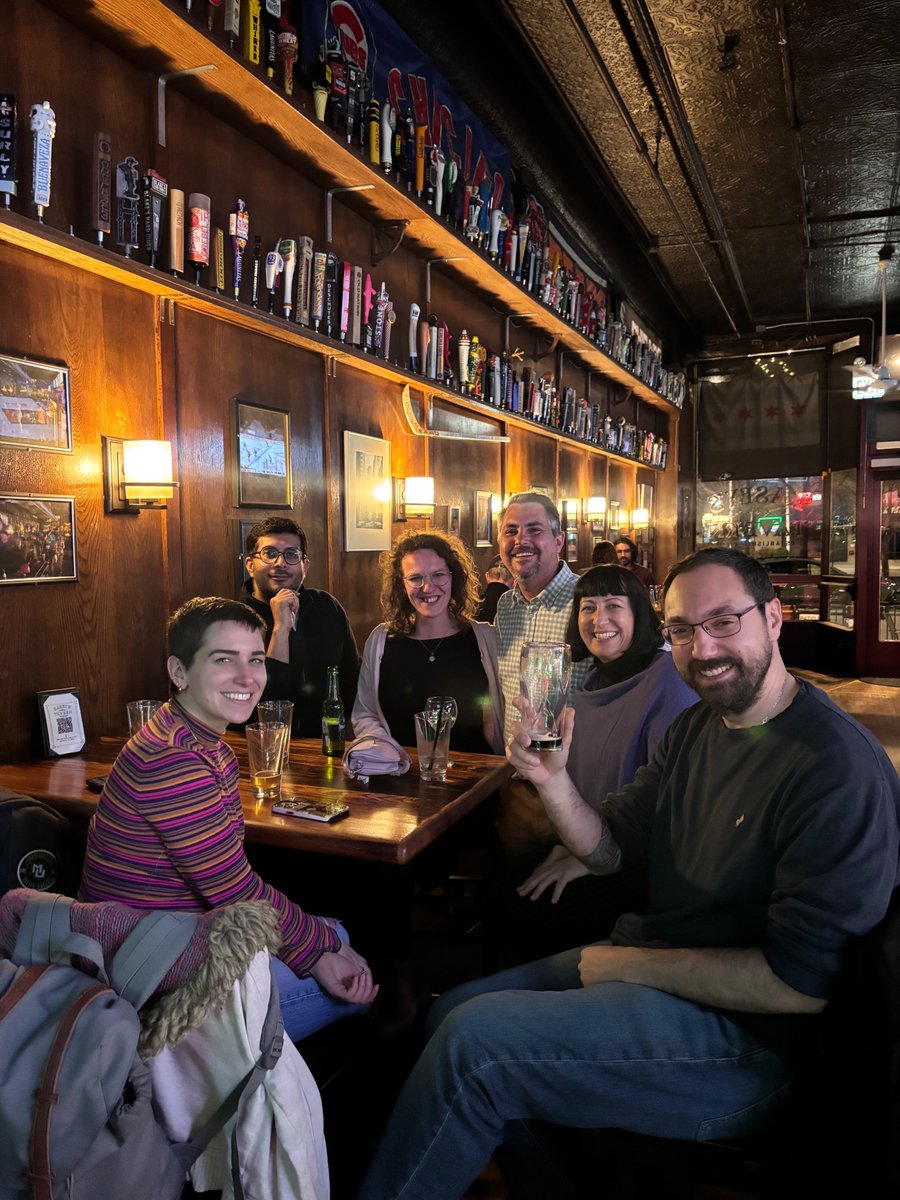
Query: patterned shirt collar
x,y
559,586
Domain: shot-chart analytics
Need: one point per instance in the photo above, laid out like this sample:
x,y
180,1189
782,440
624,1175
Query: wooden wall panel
x,y
103,633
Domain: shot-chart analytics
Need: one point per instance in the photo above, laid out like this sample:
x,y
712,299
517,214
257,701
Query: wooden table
x,y
391,820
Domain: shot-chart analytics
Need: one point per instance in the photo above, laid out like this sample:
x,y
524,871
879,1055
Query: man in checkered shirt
x,y
535,609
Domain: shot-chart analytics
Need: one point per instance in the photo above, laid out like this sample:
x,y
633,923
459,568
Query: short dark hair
x,y
616,581
753,574
187,626
628,542
535,498
399,614
269,527
604,554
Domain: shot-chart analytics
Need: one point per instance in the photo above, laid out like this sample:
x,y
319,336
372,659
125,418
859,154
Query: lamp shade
x,y
595,507
640,518
419,495
147,470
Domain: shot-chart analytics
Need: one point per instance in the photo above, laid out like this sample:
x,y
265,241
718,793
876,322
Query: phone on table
x,y
311,810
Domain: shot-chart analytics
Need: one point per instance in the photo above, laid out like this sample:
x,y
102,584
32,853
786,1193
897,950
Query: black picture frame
x,y
62,725
35,405
37,539
263,462
242,527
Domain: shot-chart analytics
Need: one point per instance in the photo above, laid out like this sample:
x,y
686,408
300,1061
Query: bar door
x,y
878,566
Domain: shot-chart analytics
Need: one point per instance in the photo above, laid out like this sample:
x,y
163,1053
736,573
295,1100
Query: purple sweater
x,y
617,727
169,833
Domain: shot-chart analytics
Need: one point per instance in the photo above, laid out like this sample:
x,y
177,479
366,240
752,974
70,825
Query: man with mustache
x,y
306,629
770,823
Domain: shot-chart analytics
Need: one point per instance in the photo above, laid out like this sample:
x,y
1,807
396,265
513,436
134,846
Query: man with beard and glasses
x,y
307,630
769,821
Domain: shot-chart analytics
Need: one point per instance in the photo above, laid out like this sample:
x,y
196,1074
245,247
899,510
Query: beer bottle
x,y
333,718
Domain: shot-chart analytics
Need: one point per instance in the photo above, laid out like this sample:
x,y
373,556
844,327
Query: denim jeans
x,y
532,1044
304,1006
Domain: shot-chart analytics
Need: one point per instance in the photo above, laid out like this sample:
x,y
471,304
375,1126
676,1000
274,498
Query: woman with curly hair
x,y
429,645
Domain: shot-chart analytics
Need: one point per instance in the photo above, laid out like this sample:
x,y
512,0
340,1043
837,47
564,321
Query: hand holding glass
x,y
265,754
545,669
139,713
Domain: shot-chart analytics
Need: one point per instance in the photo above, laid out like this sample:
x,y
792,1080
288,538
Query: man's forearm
x,y
730,978
581,828
279,646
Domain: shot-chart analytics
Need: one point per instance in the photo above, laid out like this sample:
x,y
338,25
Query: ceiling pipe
x,y
641,147
672,106
793,120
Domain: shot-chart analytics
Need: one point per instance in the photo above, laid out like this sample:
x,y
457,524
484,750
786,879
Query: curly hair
x,y
399,614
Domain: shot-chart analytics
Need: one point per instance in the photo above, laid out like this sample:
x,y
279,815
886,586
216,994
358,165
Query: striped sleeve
x,y
169,833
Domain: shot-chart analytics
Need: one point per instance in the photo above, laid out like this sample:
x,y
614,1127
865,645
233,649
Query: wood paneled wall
x,y
134,376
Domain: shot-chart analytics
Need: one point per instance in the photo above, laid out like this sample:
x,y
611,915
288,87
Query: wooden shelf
x,y
161,37
36,238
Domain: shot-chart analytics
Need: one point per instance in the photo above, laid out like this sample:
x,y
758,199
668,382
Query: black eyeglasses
x,y
271,555
723,626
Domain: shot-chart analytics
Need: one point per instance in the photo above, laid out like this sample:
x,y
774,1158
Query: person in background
x,y
627,553
307,630
631,695
535,609
430,645
604,554
770,823
498,580
168,832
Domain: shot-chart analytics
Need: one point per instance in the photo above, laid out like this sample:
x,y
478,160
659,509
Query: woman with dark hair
x,y
631,695
168,832
429,645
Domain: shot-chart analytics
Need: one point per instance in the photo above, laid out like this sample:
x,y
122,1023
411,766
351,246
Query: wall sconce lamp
x,y
136,475
640,518
413,497
595,508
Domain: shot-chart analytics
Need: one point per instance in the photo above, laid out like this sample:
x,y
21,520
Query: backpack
x,y
76,1105
36,846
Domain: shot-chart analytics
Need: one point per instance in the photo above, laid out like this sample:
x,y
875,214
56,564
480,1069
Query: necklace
x,y
766,720
430,651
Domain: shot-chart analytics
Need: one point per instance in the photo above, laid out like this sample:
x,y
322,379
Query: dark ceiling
x,y
733,164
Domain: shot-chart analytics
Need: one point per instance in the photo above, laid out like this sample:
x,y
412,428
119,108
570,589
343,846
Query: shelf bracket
x,y
517,353
329,203
161,95
386,238
552,343
416,427
429,263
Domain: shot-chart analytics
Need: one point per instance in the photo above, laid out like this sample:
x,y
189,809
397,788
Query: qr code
x,y
65,725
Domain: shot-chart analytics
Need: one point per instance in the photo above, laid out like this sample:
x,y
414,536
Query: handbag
x,y
374,754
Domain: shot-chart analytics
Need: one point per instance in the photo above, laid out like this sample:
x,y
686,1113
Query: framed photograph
x,y
37,539
263,457
568,514
454,518
571,546
241,529
613,510
61,725
35,412
484,519
367,492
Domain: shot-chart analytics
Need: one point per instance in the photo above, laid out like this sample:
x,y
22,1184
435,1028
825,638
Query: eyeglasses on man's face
x,y
723,626
271,554
436,579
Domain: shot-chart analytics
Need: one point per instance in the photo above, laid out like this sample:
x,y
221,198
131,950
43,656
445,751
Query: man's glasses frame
x,y
721,626
293,555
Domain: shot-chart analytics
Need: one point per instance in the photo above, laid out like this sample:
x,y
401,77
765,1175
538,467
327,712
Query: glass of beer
x,y
545,669
268,711
265,753
139,713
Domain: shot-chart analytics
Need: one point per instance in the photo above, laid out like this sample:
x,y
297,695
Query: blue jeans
x,y
532,1044
304,1006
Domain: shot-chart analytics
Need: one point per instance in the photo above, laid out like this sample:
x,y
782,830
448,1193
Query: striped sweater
x,y
169,833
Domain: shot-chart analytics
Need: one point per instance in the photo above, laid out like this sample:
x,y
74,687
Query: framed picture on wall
x,y
568,514
34,405
484,519
367,492
263,456
241,528
454,518
37,539
571,546
612,512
